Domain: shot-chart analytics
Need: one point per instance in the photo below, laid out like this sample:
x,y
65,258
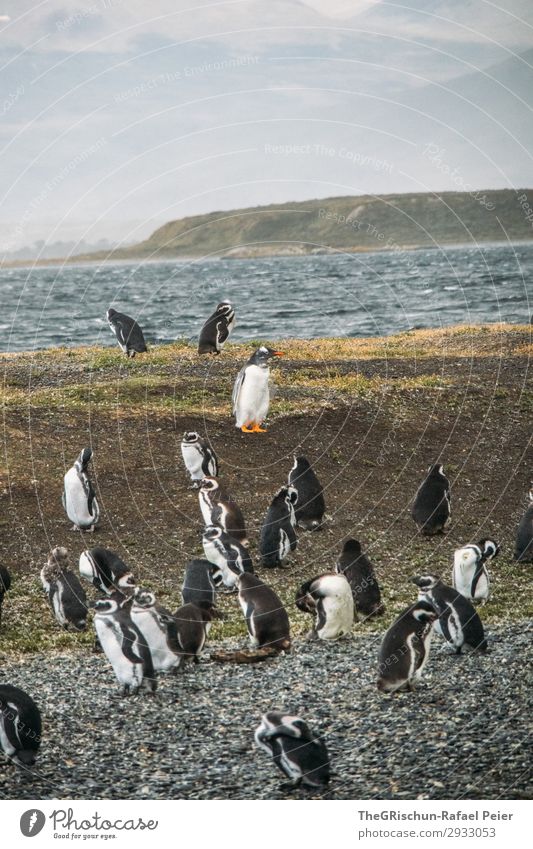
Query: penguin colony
x,y
142,640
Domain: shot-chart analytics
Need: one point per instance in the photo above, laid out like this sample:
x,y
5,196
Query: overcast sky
x,y
119,115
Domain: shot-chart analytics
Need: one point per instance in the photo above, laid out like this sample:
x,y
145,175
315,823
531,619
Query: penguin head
x,y
58,558
423,611
436,471
212,532
105,606
467,557
111,313
209,484
425,582
143,598
224,308
292,495
301,464
126,582
190,437
489,548
262,355
352,547
84,459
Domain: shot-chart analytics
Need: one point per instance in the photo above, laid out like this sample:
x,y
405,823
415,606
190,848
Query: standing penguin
x,y
310,505
79,499
329,599
296,751
470,574
226,553
458,622
251,394
201,581
405,648
106,571
432,505
219,508
20,725
359,572
66,595
278,537
266,618
5,584
217,329
129,335
123,644
524,536
199,458
152,621
191,624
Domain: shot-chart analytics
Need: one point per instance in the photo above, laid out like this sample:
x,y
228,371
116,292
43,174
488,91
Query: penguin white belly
x,y
192,458
339,617
462,580
76,503
205,507
57,602
284,544
254,397
110,636
5,743
482,590
155,638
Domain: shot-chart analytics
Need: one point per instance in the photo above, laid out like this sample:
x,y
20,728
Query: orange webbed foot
x,y
247,429
258,429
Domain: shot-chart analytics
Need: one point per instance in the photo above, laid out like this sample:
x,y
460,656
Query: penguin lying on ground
x,y
359,572
329,599
278,537
296,751
191,624
152,621
310,505
266,618
129,335
217,329
405,648
227,553
524,536
201,581
66,595
432,505
79,499
458,622
20,725
470,575
123,644
5,584
251,394
199,458
106,571
219,508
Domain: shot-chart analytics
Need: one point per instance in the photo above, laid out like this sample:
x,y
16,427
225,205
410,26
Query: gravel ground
x,y
463,734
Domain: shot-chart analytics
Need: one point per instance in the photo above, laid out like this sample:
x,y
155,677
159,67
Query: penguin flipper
x,y
239,382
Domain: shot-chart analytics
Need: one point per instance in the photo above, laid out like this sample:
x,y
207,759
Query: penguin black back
x,y
217,329
524,535
278,537
295,749
129,334
200,582
266,618
105,570
310,505
432,505
359,572
20,724
5,584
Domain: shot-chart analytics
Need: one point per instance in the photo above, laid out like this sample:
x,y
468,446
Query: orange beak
x,y
278,353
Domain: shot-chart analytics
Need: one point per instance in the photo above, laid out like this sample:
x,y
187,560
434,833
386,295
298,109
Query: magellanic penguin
x,y
251,394
129,335
66,595
199,458
217,329
524,536
106,571
405,648
5,584
191,624
219,508
310,504
79,499
266,618
458,622
359,572
226,553
295,749
470,575
278,537
152,621
432,505
20,725
329,599
123,644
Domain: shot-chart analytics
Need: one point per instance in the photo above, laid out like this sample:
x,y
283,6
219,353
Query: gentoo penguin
x,y
296,751
359,572
123,644
251,395
405,648
66,595
199,458
219,508
524,536
458,622
79,499
201,581
432,505
266,618
278,537
217,328
106,571
152,621
470,574
310,505
5,584
329,599
191,624
226,553
129,334
20,725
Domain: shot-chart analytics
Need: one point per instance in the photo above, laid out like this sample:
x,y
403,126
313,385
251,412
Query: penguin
x,y
191,624
329,598
266,618
20,726
524,536
129,335
219,508
152,620
470,574
123,644
295,749
432,505
201,581
66,595
226,553
199,458
359,572
458,622
278,537
251,395
79,499
405,648
217,329
5,584
310,505
106,571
